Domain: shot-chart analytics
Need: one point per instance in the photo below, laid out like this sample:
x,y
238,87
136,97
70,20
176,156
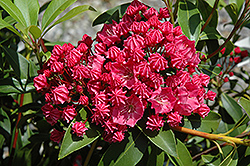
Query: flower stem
x,y
210,16
90,152
219,137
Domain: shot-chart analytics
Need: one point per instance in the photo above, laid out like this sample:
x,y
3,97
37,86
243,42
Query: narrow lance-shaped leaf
x,y
18,62
189,20
232,107
4,24
102,18
72,13
71,142
184,158
29,9
54,9
165,140
246,105
13,11
129,151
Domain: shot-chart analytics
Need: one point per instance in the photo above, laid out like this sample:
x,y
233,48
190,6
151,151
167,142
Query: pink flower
x,y
86,40
117,96
40,82
60,95
142,90
226,79
128,113
81,72
162,100
223,51
211,95
237,50
79,128
101,112
174,119
153,37
158,62
84,100
203,110
52,116
57,67
133,42
164,13
244,54
56,135
69,113
57,50
154,122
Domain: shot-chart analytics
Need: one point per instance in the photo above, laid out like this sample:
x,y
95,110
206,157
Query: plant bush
x,y
149,89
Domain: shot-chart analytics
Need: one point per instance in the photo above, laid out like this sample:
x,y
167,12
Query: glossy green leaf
x,y
231,159
238,3
72,13
129,151
2,140
13,11
9,86
209,33
5,121
212,71
208,124
229,48
4,24
35,31
165,140
232,11
71,142
232,107
213,45
189,20
156,156
18,62
205,10
32,69
247,153
29,10
184,158
245,104
225,127
53,10
104,17
210,160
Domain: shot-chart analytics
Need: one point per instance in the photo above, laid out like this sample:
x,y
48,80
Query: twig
x,y
90,152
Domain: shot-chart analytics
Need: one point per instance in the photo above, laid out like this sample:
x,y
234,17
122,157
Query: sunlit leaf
x,y
189,20
129,151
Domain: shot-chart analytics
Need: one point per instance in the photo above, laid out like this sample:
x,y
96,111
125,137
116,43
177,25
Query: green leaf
x,y
29,9
71,142
205,10
210,160
209,124
9,86
247,153
4,24
35,31
229,48
53,10
129,151
232,11
156,156
107,15
13,11
32,69
232,107
231,159
72,13
238,3
189,20
5,121
245,104
209,33
18,62
184,158
165,140
212,71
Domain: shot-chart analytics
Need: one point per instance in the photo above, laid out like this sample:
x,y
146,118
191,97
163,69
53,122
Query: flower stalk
x,y
231,140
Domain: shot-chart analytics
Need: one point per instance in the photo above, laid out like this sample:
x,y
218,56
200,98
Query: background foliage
x,y
25,133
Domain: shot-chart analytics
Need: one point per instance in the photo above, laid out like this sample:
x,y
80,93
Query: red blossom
x,y
79,128
155,122
56,136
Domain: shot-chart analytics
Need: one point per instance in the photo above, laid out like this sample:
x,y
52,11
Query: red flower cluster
x,y
141,64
